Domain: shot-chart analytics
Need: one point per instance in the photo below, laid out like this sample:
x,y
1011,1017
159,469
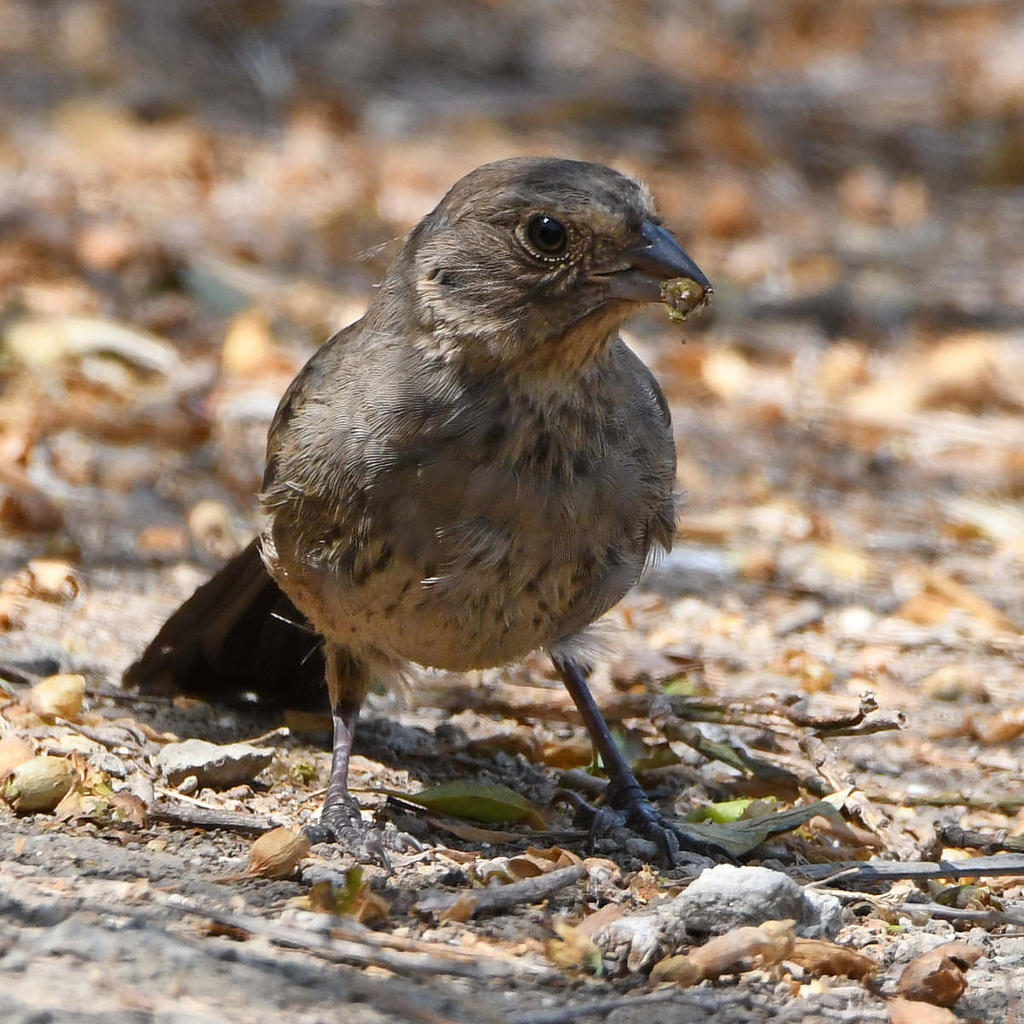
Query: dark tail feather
x,y
237,634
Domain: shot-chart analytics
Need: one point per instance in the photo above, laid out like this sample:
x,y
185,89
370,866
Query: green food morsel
x,y
682,297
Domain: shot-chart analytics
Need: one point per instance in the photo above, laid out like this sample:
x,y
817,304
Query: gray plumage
x,y
478,467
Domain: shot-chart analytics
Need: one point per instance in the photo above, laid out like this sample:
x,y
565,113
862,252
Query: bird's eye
x,y
547,235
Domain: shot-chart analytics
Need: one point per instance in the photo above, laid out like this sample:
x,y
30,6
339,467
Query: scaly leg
x,y
340,819
624,793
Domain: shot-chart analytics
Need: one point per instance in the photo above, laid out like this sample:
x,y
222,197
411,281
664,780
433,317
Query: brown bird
x,y
477,468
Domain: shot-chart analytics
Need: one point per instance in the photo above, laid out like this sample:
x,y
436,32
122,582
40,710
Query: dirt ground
x,y
191,201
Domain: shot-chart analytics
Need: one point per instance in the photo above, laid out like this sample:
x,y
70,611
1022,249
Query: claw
x,y
632,809
368,843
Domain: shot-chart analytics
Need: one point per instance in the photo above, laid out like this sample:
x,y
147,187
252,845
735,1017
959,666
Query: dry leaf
x,y
940,593
600,869
573,948
679,969
475,834
905,1011
593,923
819,956
162,540
994,729
567,754
42,341
813,675
461,910
14,751
770,942
209,523
477,801
354,899
951,682
58,696
52,580
726,373
459,856
938,975
249,348
277,853
131,808
536,862
39,784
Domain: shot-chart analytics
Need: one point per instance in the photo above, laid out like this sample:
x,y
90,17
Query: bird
x,y
476,469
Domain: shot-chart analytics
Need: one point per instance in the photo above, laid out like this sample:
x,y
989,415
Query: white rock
x,y
726,897
213,765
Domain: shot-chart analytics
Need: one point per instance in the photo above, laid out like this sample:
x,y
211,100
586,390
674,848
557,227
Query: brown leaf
x,y
52,580
679,969
539,862
567,754
475,834
353,899
593,923
1003,727
943,588
905,1011
130,807
461,910
14,751
819,956
938,975
58,696
770,942
573,948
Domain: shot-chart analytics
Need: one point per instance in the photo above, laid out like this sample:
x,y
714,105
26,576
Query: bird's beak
x,y
650,264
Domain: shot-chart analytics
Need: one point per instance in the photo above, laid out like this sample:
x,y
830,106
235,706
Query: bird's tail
x,y
237,635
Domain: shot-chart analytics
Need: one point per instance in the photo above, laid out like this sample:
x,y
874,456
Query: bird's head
x,y
535,262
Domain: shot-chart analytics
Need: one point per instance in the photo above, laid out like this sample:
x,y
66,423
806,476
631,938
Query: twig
x,y
709,1001
363,954
987,842
835,774
521,702
503,897
122,696
191,816
881,721
382,992
979,918
97,736
892,871
951,798
282,732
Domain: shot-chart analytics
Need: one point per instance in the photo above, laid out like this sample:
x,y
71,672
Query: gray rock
x,y
218,767
726,897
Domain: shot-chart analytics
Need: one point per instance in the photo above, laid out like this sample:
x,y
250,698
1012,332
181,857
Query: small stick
x,y
504,897
363,954
710,1001
892,871
191,816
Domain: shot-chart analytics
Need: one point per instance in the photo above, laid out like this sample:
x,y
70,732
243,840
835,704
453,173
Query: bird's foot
x,y
628,807
369,843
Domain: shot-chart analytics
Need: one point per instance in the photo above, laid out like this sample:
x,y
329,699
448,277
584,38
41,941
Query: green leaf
x,y
723,812
740,837
475,801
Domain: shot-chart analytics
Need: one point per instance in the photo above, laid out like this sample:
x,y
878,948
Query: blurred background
x,y
193,195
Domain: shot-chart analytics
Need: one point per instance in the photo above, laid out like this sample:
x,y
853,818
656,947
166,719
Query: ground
x,y
851,449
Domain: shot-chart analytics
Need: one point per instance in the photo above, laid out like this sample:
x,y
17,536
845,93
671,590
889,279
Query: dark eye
x,y
547,235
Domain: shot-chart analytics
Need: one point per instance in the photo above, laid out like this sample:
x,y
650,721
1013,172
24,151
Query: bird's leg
x,y
624,793
341,820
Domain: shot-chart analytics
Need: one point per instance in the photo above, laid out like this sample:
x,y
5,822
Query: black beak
x,y
657,259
